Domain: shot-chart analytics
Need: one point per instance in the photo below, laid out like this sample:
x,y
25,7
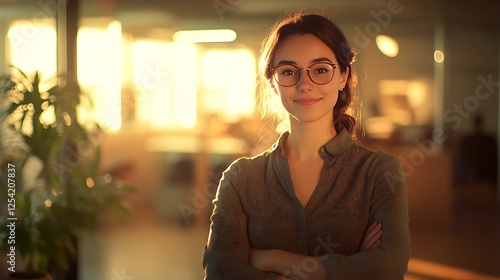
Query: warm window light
x,y
152,82
229,75
185,84
166,81
405,101
417,94
393,87
205,36
387,45
439,56
33,47
99,71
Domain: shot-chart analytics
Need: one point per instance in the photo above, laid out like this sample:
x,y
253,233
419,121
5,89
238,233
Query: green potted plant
x,y
50,167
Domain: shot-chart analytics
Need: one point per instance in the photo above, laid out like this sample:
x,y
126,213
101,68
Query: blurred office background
x,y
177,111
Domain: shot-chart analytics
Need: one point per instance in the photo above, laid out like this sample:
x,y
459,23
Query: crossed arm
x,y
228,254
287,264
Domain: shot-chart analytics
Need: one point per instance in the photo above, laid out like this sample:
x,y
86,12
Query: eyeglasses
x,y
288,75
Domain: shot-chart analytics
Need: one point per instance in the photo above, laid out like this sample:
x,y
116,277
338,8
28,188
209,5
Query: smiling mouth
x,y
307,101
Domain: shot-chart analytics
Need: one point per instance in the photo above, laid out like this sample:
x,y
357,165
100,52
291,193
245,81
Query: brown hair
x,y
332,36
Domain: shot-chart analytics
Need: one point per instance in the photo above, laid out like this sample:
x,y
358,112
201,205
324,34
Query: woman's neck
x,y
305,139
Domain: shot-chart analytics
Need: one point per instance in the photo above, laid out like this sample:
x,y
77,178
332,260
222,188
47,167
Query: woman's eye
x,y
288,72
321,71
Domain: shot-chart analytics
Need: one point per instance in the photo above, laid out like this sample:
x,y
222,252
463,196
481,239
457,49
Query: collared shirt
x,y
256,207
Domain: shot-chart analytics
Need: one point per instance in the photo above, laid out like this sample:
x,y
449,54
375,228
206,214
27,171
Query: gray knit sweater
x,y
256,207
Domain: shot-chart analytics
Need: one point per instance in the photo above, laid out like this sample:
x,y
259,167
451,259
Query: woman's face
x,y
307,101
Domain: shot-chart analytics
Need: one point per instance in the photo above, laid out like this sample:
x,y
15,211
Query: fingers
x,y
375,238
375,245
373,231
374,224
372,237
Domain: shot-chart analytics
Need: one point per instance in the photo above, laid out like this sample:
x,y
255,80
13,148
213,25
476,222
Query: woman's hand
x,y
372,237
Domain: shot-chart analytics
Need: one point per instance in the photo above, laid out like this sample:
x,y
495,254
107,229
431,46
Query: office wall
x,y
471,58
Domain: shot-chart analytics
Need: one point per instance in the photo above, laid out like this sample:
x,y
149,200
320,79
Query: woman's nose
x,y
304,83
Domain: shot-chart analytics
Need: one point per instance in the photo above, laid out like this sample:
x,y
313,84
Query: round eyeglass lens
x,y
288,75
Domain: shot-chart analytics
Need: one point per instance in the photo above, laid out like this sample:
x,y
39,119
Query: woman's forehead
x,y
302,48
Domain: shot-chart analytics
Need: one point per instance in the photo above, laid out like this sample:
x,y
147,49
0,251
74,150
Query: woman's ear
x,y
343,77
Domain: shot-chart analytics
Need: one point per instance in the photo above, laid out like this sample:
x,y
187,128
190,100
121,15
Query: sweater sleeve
x,y
225,255
389,205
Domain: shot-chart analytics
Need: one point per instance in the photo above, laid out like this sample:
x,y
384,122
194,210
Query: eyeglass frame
x,y
334,65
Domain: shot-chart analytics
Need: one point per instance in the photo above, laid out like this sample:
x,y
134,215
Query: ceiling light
x,y
438,56
205,36
387,45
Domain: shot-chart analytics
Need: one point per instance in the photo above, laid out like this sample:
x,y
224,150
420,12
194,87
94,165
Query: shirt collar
x,y
334,148
338,144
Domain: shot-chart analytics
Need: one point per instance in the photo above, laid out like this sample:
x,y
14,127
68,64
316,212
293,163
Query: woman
x,y
316,205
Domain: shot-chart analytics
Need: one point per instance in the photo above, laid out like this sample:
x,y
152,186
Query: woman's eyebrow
x,y
321,59
316,60
286,62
